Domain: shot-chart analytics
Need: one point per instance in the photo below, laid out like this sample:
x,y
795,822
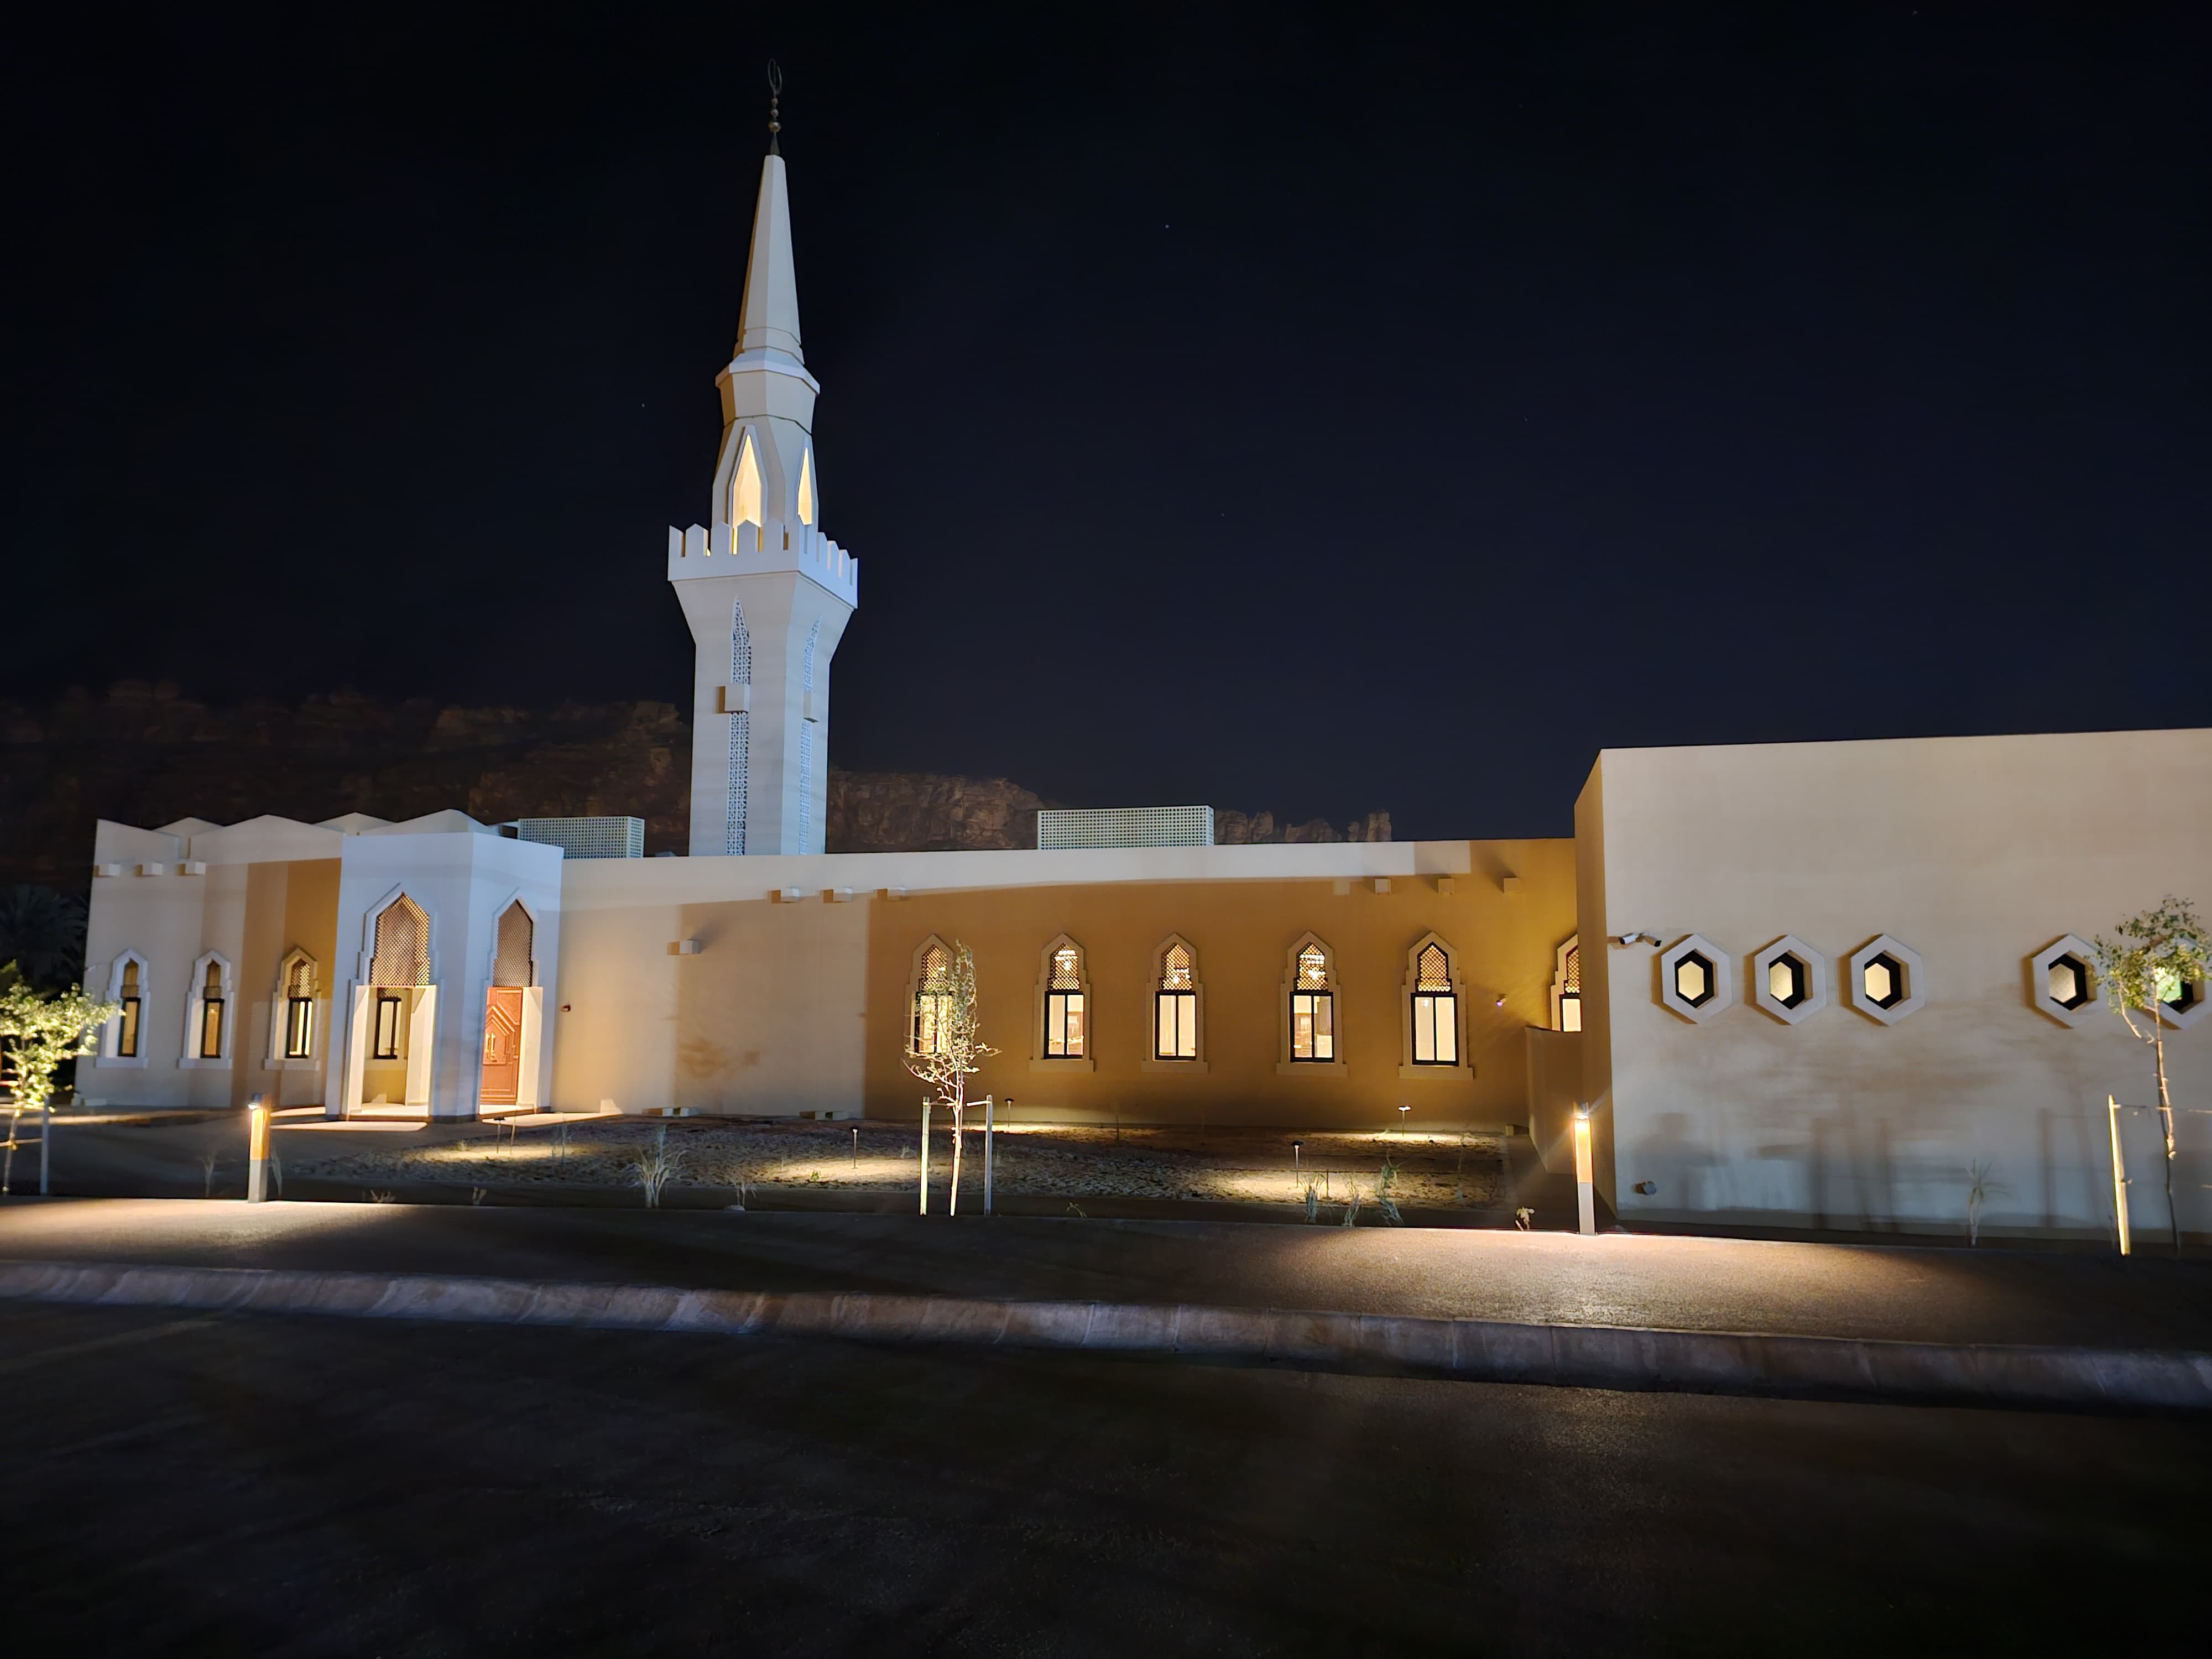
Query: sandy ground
x,y
1430,1172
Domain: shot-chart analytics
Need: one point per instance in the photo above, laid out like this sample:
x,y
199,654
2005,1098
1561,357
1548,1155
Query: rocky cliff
x,y
146,755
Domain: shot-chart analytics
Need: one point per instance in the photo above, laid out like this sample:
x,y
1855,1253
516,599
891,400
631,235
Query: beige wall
x,y
802,1005
1976,852
1503,945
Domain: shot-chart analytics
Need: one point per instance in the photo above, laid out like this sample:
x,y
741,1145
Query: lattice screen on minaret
x,y
806,743
741,673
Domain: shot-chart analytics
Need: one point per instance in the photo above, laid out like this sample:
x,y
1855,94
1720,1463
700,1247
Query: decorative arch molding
x,y
210,1013
1432,1014
1175,993
298,1024
928,993
1065,1015
127,1030
498,962
1567,985
1312,998
375,912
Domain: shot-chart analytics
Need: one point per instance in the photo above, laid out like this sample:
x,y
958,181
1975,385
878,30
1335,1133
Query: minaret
x,y
766,593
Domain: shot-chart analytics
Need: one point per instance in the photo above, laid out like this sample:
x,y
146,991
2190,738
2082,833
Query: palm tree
x,y
42,933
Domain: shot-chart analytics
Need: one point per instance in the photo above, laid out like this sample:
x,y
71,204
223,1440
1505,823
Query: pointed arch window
x,y
398,962
512,955
1313,1005
807,508
933,997
1567,987
129,993
1436,1007
296,994
1066,1002
207,1012
746,488
1175,1003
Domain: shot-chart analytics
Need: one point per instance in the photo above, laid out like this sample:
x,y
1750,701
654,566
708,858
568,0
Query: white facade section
x,y
1059,828
766,593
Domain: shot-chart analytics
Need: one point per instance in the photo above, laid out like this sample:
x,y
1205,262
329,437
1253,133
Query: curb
x,y
1474,1350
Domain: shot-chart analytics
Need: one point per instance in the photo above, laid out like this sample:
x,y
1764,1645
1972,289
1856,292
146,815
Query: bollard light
x,y
257,1150
1585,1173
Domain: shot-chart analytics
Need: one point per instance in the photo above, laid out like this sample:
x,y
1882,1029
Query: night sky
x,y
1310,409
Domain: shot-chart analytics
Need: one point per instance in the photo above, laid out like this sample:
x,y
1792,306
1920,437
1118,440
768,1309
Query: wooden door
x,y
502,1054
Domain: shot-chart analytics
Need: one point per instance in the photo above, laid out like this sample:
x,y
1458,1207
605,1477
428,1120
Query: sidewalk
x,y
1622,1281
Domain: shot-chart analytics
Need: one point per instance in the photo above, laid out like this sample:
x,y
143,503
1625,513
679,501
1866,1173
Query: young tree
x,y
2150,959
944,1047
38,1032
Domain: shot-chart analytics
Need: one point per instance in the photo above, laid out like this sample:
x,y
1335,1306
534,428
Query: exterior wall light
x,y
1585,1170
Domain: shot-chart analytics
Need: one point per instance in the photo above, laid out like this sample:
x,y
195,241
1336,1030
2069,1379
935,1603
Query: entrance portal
x,y
503,1050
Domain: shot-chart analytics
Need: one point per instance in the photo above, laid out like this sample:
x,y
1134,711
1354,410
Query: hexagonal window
x,y
1693,979
1884,978
1884,981
1697,978
2066,981
1789,982
2178,996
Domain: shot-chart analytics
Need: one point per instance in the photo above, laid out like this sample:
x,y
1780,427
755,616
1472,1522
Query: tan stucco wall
x,y
1977,852
292,902
1242,931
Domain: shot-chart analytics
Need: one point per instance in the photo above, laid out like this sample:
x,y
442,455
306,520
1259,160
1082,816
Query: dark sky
x,y
1318,409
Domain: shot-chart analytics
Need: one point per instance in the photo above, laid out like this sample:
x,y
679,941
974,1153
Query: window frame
x,y
1289,1063
1190,1003
1051,1002
1412,1001
289,1011
916,990
1569,952
130,1017
196,1012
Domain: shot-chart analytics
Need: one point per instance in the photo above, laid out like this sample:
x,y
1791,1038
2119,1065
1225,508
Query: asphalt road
x,y
233,1484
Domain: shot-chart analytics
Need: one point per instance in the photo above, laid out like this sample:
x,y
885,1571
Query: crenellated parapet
x,y
738,550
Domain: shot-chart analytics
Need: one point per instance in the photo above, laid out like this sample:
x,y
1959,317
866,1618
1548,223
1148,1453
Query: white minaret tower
x,y
766,593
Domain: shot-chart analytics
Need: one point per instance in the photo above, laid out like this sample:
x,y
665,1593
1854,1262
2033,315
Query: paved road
x,y
1937,1295
327,1487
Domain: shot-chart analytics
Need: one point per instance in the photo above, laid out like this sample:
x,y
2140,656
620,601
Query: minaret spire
x,y
770,321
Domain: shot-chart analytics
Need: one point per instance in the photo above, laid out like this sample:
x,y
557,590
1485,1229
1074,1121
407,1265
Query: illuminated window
x,y
1174,1024
1436,1009
1884,979
1694,982
1064,1005
299,994
1567,987
1789,981
745,489
806,486
389,1020
2066,982
1312,1007
933,998
126,1023
210,1027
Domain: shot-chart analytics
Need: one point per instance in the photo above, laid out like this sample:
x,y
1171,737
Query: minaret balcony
x,y
748,550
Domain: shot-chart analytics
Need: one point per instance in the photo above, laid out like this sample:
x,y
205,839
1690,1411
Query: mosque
x,y
1810,985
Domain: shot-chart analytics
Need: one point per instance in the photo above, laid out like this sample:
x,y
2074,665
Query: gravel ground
x,y
1237,1165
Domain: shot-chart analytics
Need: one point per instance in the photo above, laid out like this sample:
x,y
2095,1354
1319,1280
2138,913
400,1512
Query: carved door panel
x,y
503,1050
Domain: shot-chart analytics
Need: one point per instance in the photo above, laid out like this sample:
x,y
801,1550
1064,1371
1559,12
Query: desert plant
x,y
477,1195
1313,1202
1385,1186
208,1163
42,933
377,1197
945,1047
39,1030
655,1165
2153,959
1980,1185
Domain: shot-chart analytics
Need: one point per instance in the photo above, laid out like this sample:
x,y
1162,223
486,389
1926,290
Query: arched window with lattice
x,y
1567,987
1175,1001
1064,989
295,1002
207,1016
399,962
931,996
512,954
1433,1009
126,989
1309,993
